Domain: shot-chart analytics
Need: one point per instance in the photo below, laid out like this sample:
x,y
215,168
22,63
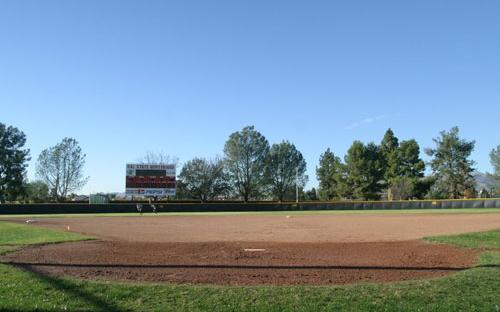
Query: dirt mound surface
x,y
274,228
245,263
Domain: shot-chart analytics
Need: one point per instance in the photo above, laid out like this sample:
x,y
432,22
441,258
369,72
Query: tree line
x,y
59,169
393,170
253,169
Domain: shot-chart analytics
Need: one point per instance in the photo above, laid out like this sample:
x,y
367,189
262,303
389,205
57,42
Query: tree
x,y
402,188
246,153
203,179
389,160
310,195
37,191
158,157
388,150
61,168
404,165
13,162
364,170
495,162
409,162
423,187
451,164
389,143
331,176
286,168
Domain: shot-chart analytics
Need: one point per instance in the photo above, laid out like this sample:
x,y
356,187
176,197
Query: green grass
x,y
13,235
489,239
476,289
20,234
6,248
291,212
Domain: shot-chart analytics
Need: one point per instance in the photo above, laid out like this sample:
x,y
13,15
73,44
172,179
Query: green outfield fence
x,y
236,206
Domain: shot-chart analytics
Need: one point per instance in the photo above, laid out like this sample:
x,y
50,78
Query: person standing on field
x,y
153,206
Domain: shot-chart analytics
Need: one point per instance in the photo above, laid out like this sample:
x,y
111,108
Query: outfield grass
x,y
290,212
490,239
476,289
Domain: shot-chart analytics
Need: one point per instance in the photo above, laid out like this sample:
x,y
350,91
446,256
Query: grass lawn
x,y
290,212
476,289
490,239
20,234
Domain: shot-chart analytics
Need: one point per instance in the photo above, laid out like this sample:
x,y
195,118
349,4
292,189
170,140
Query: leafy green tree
x,y
61,168
246,153
328,174
13,162
451,164
364,170
495,162
37,191
204,179
286,168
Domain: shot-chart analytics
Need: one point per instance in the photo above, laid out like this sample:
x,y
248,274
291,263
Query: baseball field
x,y
277,261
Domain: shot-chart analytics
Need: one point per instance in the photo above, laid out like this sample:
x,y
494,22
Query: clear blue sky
x,y
124,77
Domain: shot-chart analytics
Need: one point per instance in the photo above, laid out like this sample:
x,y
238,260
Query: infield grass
x,y
24,289
20,234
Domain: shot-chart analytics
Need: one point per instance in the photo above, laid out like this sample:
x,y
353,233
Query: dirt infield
x,y
257,249
274,228
229,263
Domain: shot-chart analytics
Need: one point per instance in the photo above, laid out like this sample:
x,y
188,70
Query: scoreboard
x,y
150,180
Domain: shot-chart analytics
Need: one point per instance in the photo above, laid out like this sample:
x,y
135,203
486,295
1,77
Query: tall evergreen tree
x,y
325,173
495,162
405,170
331,176
402,166
451,164
13,162
389,143
364,170
389,158
409,162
